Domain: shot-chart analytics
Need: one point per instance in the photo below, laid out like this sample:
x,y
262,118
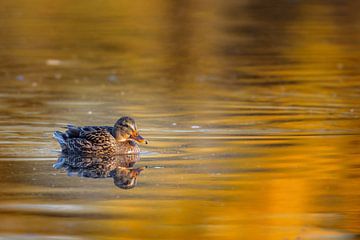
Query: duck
x,y
122,138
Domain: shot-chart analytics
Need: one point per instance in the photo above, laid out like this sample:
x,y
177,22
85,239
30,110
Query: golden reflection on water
x,y
251,108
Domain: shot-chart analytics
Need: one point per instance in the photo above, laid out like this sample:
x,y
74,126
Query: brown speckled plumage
x,y
100,140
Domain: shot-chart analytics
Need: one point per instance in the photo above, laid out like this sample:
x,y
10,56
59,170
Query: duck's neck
x,y
116,132
128,147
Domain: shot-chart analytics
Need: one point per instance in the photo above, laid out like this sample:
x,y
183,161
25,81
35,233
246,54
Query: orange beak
x,y
139,138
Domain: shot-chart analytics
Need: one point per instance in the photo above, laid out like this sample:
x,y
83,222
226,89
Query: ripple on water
x,y
251,109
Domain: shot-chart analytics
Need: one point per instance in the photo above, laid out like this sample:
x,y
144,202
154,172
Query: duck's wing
x,y
80,132
99,137
99,142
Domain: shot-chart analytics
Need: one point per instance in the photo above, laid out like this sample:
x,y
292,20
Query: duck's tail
x,y
60,137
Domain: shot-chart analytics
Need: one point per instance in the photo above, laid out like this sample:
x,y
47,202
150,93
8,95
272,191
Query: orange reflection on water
x,y
251,109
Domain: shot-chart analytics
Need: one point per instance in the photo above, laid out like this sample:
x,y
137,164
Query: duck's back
x,y
76,132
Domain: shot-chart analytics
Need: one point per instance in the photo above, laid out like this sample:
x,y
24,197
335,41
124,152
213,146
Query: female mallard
x,y
100,140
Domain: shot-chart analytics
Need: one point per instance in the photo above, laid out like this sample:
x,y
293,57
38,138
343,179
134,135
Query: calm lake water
x,y
251,109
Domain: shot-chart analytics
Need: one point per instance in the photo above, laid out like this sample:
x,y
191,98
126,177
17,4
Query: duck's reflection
x,y
119,167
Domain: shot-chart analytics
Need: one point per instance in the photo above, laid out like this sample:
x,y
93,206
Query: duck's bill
x,y
140,139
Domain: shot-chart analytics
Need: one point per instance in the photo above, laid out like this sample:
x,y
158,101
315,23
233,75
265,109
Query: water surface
x,y
251,109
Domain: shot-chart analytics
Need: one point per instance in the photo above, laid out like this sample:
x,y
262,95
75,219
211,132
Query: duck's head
x,y
125,129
